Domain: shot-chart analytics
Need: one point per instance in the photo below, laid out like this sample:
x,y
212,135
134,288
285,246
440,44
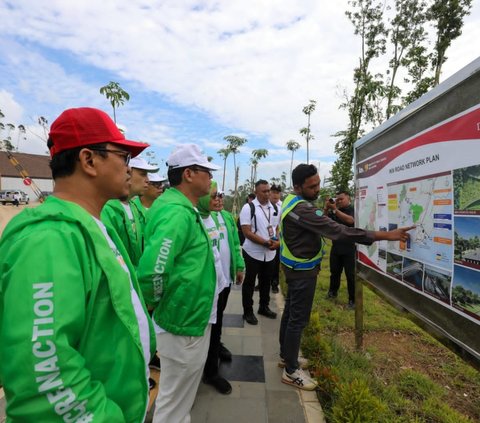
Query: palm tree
x,y
308,110
256,156
224,152
234,144
21,134
292,146
116,94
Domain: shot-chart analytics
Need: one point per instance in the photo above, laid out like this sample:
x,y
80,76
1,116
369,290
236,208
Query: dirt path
x,y
7,212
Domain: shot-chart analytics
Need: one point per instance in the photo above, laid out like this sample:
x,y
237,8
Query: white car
x,y
9,196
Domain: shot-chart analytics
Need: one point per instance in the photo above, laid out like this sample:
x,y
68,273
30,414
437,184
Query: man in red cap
x,y
76,338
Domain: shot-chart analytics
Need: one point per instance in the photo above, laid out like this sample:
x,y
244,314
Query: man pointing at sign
x,y
301,249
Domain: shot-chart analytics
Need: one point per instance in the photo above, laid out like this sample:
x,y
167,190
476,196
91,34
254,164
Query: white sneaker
x,y
300,379
302,363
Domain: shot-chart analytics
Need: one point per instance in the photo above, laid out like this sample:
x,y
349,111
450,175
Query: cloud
x,y
197,70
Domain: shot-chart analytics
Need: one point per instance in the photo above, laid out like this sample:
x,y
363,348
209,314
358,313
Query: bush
x,y
356,404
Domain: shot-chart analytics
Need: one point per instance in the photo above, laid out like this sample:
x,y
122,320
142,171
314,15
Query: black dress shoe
x,y
275,289
250,318
265,311
224,354
221,384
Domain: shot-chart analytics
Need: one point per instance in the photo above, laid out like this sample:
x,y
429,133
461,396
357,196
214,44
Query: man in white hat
x,y
156,184
123,216
177,274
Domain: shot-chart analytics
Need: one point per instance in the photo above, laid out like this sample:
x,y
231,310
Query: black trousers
x,y
211,365
276,269
254,268
338,263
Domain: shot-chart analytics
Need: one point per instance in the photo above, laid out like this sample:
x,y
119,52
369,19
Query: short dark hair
x,y
276,188
175,176
302,172
251,196
342,192
63,163
261,182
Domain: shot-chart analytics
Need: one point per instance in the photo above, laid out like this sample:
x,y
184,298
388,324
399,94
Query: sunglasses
x,y
155,184
217,195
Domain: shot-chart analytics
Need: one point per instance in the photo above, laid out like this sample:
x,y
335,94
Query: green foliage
x,y
292,146
378,96
355,403
416,386
258,154
308,110
435,410
116,95
233,146
447,17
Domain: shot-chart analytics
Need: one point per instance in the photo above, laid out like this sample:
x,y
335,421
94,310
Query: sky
x,y
196,71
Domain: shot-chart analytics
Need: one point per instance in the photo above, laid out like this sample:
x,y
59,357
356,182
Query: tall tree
x,y
258,154
116,95
21,134
292,146
367,19
223,153
406,33
234,144
308,110
447,17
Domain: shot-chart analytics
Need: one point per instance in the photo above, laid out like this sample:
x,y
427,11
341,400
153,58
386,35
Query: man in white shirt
x,y
275,199
259,222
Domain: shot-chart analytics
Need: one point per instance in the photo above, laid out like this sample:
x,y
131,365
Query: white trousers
x,y
182,359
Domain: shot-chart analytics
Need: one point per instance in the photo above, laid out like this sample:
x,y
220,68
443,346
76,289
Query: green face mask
x,y
203,204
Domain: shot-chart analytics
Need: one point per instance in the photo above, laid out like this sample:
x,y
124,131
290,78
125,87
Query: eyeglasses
x,y
124,154
202,169
217,195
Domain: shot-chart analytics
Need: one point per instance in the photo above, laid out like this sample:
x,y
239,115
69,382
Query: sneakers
x,y
224,354
300,379
221,384
250,318
302,362
265,311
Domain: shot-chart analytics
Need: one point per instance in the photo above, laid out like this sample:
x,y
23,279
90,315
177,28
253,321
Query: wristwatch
x,y
266,243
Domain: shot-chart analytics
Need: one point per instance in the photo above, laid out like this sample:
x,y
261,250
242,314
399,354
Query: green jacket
x,y
114,216
70,343
177,271
236,260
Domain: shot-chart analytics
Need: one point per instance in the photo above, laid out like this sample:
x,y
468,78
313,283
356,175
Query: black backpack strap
x,y
253,216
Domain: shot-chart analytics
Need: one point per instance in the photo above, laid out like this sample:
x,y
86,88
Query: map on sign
x,y
426,203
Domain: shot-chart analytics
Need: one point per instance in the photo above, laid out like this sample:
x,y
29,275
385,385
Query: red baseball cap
x,y
86,126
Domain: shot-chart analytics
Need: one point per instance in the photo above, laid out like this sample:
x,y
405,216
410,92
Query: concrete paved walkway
x,y
258,394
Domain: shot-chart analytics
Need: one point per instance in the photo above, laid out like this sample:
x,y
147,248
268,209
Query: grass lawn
x,y
402,375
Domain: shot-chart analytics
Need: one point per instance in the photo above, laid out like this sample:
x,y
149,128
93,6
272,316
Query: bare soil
x,y
395,351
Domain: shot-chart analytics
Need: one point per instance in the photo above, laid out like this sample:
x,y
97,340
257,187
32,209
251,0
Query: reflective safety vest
x,y
286,257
